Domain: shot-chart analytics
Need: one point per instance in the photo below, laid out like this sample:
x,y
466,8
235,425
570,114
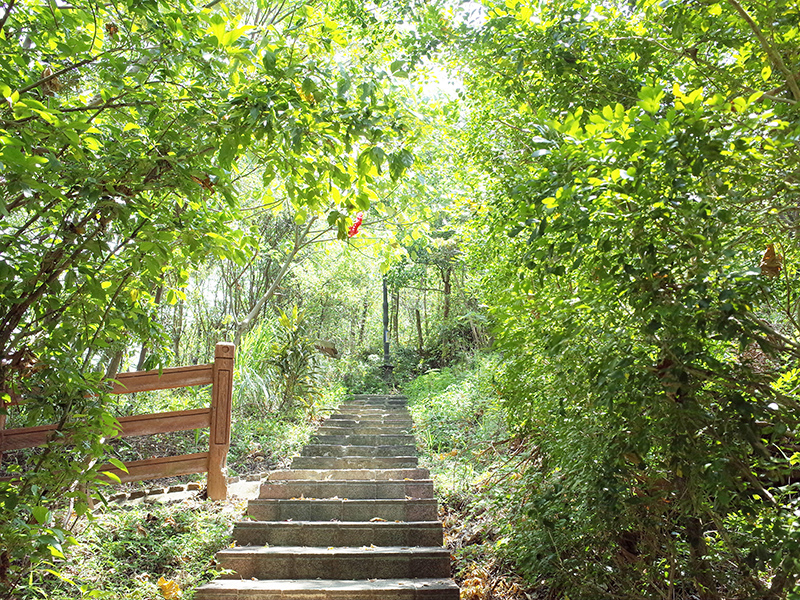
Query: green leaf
x,y
118,463
41,514
269,60
650,99
112,476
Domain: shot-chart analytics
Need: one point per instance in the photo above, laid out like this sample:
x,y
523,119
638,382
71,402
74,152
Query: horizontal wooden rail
x,y
155,468
217,418
149,381
181,420
164,379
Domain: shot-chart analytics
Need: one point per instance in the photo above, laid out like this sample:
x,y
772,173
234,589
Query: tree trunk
x,y
475,335
177,333
447,272
425,312
113,366
706,585
420,344
299,242
363,323
396,317
143,351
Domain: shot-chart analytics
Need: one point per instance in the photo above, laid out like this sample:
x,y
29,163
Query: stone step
x,y
352,424
363,430
339,450
305,562
330,509
329,589
343,533
349,474
396,408
368,410
380,415
388,439
376,399
354,462
352,489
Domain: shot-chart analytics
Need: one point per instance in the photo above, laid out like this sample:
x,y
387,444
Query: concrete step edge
x,y
335,552
343,524
356,474
335,584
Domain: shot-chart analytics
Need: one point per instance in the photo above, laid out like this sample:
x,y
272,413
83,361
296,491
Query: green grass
x,y
127,549
458,419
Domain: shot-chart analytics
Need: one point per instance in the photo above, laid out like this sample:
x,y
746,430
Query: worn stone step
x,y
379,399
367,440
364,411
350,407
330,509
343,533
353,423
329,589
363,430
355,408
354,462
342,488
349,474
306,562
339,450
376,416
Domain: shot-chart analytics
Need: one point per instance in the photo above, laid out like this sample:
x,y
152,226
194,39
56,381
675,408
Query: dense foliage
x,y
639,264
616,182
126,132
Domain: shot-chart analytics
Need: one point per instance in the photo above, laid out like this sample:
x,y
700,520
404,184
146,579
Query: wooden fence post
x,y
220,434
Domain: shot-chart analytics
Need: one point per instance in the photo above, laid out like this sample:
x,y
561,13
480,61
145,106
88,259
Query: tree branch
x,y
67,69
8,12
774,56
299,236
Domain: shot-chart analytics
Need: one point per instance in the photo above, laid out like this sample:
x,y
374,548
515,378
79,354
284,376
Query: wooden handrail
x,y
165,422
164,379
217,418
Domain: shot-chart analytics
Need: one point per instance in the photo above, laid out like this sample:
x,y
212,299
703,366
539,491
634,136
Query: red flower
x,y
353,229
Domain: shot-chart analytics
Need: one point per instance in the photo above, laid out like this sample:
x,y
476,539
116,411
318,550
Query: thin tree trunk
x,y
363,323
177,333
475,335
447,272
143,351
420,344
300,237
113,366
396,317
425,312
351,339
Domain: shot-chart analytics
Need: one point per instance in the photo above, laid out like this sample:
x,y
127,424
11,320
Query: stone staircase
x,y
353,519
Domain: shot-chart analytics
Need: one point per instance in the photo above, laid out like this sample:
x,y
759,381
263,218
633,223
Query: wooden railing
x,y
217,418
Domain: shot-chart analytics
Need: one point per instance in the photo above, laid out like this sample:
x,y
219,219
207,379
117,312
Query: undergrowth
x,y
144,552
462,436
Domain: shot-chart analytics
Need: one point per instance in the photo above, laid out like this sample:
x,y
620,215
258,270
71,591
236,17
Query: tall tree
x,y
639,263
122,129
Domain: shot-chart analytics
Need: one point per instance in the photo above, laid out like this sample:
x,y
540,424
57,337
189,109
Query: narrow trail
x,y
353,519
